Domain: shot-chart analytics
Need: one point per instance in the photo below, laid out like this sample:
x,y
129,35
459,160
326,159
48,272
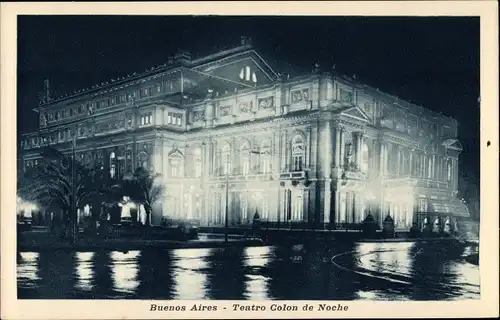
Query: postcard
x,y
249,160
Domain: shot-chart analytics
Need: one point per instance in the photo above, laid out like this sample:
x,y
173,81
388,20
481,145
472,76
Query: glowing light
x,y
84,270
124,269
189,278
256,284
27,269
25,207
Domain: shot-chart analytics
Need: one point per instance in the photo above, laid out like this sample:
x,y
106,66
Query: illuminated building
x,y
321,149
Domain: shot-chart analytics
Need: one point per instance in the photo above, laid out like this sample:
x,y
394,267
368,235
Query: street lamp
x,y
226,220
74,215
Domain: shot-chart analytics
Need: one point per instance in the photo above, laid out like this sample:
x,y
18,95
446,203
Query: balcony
x,y
241,177
296,175
418,181
352,172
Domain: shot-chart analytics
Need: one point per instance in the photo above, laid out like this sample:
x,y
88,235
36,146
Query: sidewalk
x,y
47,242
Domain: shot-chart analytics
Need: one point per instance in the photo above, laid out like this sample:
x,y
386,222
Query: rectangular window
x,y
158,88
169,118
123,98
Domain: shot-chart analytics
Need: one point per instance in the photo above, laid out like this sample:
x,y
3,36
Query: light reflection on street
x,y
189,275
368,271
124,269
256,258
27,270
84,270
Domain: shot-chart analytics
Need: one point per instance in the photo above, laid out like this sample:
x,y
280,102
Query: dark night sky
x,y
433,62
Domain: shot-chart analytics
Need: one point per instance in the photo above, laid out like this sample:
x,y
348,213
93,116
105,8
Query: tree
x,y
145,188
50,183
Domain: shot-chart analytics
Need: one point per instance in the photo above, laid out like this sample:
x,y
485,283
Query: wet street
x,y
363,271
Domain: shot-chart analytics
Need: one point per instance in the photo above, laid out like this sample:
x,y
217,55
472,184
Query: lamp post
x,y
226,217
73,191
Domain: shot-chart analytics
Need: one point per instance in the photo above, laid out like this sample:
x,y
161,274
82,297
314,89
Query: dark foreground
x,y
372,271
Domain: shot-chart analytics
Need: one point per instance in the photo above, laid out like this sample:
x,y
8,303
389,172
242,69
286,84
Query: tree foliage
x,y
145,188
50,184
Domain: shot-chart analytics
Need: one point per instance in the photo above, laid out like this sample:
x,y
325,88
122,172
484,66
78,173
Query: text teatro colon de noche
x,y
319,150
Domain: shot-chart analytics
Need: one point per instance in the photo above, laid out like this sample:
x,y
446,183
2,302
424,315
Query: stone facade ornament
x,y
300,95
224,111
266,103
245,107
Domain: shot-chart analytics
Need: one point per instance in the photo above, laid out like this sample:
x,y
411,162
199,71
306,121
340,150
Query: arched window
x,y
248,75
245,158
112,165
198,163
226,158
298,152
142,160
244,208
365,157
265,157
176,163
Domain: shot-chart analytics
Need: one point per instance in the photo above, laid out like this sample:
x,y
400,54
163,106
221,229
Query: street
x,y
372,271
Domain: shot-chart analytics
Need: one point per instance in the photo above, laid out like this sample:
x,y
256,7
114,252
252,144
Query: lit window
x,y
226,159
245,159
265,157
297,153
169,118
142,160
254,78
297,207
198,163
176,165
244,207
365,157
112,165
265,209
247,73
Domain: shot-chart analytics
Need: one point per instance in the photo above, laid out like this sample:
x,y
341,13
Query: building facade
x,y
321,149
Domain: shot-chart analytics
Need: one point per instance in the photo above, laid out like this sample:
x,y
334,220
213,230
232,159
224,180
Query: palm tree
x,y
143,187
50,183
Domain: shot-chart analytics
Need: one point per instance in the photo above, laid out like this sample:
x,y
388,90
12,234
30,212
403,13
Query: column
x,y
342,146
336,206
209,113
383,158
278,102
454,176
411,162
359,148
337,146
308,148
